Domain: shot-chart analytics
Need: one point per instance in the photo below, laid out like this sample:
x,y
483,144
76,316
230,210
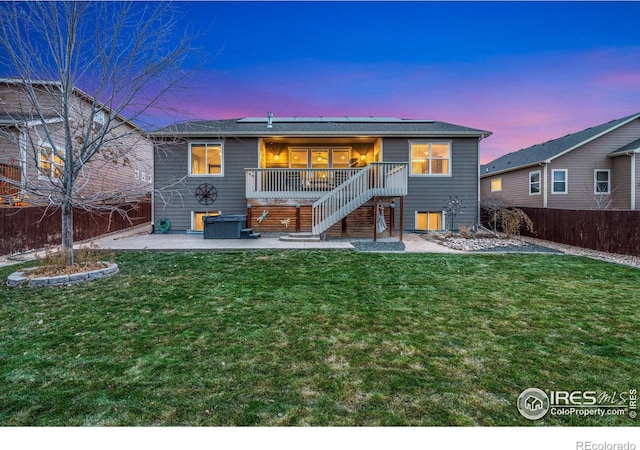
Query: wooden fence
x,y
27,228
603,230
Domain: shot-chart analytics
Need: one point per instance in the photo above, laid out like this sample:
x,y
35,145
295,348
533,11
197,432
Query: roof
x,y
18,119
633,147
82,94
326,126
550,150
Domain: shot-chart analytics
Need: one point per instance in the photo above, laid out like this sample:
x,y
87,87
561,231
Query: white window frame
x,y
443,216
595,181
496,179
429,143
539,182
52,164
212,143
566,181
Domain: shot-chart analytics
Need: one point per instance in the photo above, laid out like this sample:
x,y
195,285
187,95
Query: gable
x,y
552,149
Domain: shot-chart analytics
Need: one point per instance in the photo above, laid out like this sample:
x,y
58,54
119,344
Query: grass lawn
x,y
318,338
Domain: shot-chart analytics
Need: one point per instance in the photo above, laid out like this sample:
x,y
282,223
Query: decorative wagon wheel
x,y
206,194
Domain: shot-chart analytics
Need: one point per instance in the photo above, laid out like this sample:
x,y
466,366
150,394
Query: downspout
x,y
633,180
545,191
23,161
478,218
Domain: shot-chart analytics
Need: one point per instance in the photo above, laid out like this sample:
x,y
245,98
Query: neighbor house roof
x,y
19,119
318,126
550,150
79,92
633,147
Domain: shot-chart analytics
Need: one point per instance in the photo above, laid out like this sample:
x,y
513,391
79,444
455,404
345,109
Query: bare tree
x,y
128,56
490,205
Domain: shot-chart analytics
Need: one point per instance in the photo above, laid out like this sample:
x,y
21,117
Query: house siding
x,y
515,188
100,174
174,198
621,182
176,201
580,164
431,193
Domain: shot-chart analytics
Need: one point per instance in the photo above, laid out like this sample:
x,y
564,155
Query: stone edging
x,y
19,278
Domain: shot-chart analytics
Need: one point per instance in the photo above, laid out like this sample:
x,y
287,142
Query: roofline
x,y
564,152
315,133
624,152
30,123
511,169
75,89
586,141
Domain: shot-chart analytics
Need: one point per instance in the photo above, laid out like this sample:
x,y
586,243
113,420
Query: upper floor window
x,y
205,159
534,183
49,163
559,177
601,181
496,184
430,158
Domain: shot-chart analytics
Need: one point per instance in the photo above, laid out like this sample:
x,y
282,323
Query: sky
x,y
526,71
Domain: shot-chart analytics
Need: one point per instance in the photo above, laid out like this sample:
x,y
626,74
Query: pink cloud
x,y
522,99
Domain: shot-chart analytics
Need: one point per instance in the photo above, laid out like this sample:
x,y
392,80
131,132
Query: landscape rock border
x,y
21,278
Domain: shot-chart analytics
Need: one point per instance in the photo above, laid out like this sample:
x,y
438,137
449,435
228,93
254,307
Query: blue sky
x,y
527,71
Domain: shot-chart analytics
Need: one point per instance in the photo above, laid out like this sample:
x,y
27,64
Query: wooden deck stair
x,y
378,179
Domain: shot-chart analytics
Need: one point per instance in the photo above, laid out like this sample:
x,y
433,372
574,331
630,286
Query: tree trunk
x,y
67,230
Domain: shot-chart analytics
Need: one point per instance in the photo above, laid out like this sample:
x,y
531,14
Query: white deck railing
x,y
294,183
378,179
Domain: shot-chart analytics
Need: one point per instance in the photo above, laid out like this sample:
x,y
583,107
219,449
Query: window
x,y
601,181
50,164
496,184
197,219
430,158
206,159
429,221
559,181
534,183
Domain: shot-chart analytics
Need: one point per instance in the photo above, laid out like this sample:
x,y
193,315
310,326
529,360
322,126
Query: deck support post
x,y
297,217
401,216
392,219
248,215
375,217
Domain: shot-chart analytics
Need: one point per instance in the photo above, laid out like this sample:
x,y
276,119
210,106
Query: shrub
x,y
512,220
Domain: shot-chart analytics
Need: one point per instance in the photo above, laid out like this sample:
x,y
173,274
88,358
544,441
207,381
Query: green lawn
x,y
318,338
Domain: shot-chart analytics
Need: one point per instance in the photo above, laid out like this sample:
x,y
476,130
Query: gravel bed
x,y
496,245
627,260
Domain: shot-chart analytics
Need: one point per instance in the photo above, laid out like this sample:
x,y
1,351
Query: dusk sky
x,y
527,71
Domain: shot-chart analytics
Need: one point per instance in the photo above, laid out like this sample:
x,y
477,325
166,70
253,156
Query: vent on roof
x,y
269,120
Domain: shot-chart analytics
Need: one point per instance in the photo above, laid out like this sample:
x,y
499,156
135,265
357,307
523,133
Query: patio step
x,y
300,237
247,233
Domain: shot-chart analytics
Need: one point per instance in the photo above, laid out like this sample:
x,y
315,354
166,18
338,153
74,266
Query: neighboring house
x,y
122,170
592,169
319,175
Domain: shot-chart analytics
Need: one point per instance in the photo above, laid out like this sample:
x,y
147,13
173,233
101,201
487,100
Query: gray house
x,y
592,169
320,175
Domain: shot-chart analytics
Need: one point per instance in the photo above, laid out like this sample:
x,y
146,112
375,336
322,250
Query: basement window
x,y
429,221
